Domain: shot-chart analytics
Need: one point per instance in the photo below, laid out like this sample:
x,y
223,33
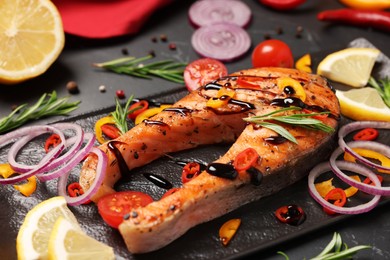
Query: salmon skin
x,y
192,122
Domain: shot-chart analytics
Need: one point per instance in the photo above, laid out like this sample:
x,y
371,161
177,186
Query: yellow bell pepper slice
x,y
228,230
385,161
222,98
304,63
324,187
149,113
289,82
27,188
367,4
98,127
6,170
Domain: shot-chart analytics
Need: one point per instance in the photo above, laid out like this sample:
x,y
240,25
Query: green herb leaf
x,y
303,120
47,105
383,88
120,115
166,69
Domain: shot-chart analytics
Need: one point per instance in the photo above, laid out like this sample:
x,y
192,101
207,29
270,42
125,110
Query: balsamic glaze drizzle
x,y
222,170
123,168
158,180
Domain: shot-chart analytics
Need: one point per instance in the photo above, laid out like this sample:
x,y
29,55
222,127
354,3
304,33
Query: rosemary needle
x,y
47,105
166,69
303,120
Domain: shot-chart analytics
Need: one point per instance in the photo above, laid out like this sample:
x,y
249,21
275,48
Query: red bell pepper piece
x,y
110,131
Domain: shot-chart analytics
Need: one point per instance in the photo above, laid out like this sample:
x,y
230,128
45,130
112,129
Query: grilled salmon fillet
x,y
197,120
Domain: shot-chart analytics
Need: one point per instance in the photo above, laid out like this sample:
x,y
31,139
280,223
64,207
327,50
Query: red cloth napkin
x,y
105,18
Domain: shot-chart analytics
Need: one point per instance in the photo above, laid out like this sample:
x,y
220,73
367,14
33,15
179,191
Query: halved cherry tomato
x,y
111,131
52,142
290,214
202,71
138,108
114,206
338,202
169,192
367,134
272,53
245,159
190,171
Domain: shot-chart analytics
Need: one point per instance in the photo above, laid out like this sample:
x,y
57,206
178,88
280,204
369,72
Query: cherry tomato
x,y
142,103
272,53
52,142
245,159
190,171
202,71
367,134
114,206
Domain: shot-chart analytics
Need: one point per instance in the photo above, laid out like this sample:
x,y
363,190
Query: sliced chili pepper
x,y
190,171
248,83
363,18
290,214
110,131
368,181
137,108
245,159
367,134
282,5
169,192
75,189
320,117
338,202
98,127
52,142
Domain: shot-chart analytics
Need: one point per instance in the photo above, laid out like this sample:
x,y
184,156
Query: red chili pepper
x,y
75,190
52,142
143,104
248,83
368,181
318,117
190,171
120,94
367,134
245,159
282,5
169,192
363,18
110,131
290,214
338,202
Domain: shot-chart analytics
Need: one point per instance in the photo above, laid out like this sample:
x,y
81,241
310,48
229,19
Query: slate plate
x,y
259,229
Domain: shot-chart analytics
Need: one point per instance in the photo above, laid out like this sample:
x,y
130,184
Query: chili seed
x,y
120,94
102,88
72,87
172,46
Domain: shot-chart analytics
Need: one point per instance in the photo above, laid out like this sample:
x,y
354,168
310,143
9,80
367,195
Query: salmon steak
x,y
222,112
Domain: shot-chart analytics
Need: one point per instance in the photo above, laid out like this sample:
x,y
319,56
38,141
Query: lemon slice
x,y
363,104
67,241
33,237
31,39
351,66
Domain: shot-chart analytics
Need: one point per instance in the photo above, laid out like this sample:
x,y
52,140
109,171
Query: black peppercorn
x,y
72,87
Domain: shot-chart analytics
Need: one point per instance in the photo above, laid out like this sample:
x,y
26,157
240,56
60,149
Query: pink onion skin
x,y
100,174
206,12
221,41
324,167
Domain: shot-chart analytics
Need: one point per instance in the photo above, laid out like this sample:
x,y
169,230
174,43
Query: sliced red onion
x,y
100,170
69,164
76,141
24,134
324,167
374,190
221,41
202,13
378,147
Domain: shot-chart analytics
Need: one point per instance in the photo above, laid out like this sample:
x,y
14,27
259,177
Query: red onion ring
x,y
46,160
381,148
202,13
324,167
77,158
374,190
21,168
100,169
221,41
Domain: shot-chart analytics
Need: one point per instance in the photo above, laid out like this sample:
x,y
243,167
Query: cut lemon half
x,y
351,66
33,237
67,241
363,104
31,39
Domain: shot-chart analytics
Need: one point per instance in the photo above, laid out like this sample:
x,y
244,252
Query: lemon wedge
x,y
351,66
363,104
33,237
67,241
31,39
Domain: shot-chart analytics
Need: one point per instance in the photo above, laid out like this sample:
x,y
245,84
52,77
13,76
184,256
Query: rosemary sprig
x,y
166,69
303,120
120,114
335,250
383,88
47,105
